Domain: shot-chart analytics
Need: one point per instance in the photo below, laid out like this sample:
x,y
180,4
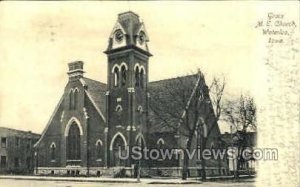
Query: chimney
x,y
75,70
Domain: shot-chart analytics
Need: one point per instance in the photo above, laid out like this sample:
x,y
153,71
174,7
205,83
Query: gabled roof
x,y
11,131
160,94
97,91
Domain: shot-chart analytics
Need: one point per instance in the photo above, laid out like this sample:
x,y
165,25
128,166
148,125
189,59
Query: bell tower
x,y
127,75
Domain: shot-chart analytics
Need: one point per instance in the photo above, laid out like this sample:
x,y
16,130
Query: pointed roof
x,y
96,90
164,92
130,21
131,26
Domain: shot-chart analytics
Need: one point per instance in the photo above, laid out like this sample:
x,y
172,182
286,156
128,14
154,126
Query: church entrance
x,y
118,152
73,145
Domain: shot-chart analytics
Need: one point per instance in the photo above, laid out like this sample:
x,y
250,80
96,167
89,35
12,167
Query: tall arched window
x,y
52,150
116,76
124,75
98,149
75,99
142,77
118,151
71,96
73,142
137,77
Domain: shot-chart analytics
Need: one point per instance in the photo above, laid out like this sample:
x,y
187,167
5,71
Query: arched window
x,y
137,77
140,109
142,77
116,76
212,145
140,142
75,99
71,96
124,74
52,151
73,142
118,150
98,149
160,141
119,108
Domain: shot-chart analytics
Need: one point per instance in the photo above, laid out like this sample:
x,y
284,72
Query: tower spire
x,y
128,32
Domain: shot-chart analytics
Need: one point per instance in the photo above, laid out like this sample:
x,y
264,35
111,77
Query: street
x,y
38,183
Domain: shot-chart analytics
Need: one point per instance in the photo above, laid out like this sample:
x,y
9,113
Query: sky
x,y
39,39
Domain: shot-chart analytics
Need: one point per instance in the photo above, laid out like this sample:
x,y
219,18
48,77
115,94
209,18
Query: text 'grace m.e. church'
x,y
93,122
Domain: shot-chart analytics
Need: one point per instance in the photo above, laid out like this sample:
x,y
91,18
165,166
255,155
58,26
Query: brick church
x,y
94,121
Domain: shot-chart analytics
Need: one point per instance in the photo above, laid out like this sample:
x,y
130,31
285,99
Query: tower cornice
x,y
129,48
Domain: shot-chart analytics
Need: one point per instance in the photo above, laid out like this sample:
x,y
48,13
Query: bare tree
x,y
242,115
216,90
184,106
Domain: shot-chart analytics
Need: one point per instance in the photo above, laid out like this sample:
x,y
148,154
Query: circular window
x,y
142,37
119,35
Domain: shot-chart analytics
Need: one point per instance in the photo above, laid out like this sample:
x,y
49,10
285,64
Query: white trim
x,y
119,108
73,119
116,27
105,130
82,82
142,68
115,66
123,64
62,116
113,139
160,140
130,89
189,101
142,28
142,136
136,65
50,120
140,109
98,110
99,140
85,113
71,90
52,144
76,89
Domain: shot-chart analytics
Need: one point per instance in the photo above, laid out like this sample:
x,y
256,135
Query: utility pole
x,y
36,161
140,145
139,163
233,159
202,147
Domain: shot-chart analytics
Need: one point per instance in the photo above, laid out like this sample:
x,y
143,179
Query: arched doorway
x,y
73,143
118,151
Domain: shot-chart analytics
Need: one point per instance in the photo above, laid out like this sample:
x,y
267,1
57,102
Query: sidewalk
x,y
124,180
102,179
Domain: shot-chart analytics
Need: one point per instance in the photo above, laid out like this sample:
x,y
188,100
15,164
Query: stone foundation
x,y
127,171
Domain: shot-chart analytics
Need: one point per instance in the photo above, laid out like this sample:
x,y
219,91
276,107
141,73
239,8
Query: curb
x,y
113,180
121,180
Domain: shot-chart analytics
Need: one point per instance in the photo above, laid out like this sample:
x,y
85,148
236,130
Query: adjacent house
x,y
16,151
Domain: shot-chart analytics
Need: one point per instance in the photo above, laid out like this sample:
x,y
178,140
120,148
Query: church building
x,y
93,121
